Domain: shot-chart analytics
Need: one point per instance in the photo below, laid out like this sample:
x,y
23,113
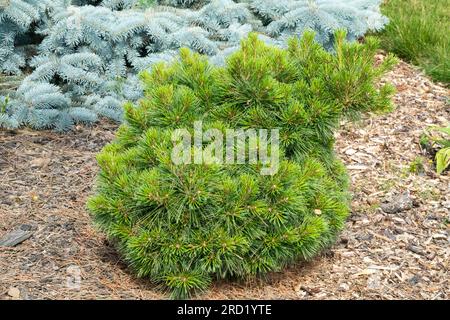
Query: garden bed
x,y
45,179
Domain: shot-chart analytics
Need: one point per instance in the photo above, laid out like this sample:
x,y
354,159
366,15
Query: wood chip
x,y
15,237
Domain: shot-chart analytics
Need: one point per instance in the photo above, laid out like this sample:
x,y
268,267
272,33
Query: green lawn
x,y
419,32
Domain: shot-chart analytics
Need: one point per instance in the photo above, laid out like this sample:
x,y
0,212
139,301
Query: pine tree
x,y
184,225
87,48
18,21
123,39
283,18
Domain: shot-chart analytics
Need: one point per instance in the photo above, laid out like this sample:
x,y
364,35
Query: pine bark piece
x,y
400,203
4,3
16,237
14,292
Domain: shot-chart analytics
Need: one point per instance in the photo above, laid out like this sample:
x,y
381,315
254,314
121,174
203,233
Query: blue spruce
x,y
88,47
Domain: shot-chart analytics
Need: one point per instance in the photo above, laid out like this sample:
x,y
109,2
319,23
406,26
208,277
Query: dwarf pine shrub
x,y
184,225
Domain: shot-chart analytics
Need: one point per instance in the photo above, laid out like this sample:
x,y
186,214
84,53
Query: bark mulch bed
x,y
46,177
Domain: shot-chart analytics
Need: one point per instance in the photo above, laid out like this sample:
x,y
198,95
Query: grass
x,y
419,32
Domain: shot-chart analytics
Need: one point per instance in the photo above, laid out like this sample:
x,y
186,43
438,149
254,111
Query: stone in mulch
x,y
16,236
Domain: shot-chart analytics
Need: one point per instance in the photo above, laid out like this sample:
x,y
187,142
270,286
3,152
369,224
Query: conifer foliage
x,y
19,20
185,225
78,50
286,17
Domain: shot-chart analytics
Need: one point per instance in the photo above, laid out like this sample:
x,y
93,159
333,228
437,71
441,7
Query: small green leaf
x,y
444,130
442,160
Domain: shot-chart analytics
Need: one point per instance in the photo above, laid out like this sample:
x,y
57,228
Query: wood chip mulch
x,y
46,177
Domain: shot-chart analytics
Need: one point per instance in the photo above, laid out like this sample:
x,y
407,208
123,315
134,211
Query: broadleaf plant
x,y
438,144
